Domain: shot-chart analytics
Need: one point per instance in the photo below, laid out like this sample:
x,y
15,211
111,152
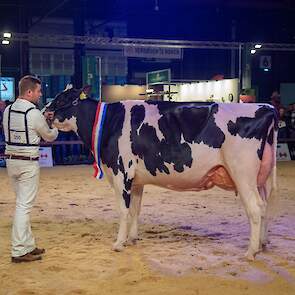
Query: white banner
x,y
219,91
45,157
283,153
153,52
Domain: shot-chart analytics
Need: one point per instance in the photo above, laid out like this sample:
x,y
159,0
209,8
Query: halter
x,y
75,102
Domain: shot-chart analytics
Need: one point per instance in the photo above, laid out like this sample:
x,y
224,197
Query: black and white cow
x,y
180,146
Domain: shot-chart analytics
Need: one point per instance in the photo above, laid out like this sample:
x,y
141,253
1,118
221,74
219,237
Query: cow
x,y
182,146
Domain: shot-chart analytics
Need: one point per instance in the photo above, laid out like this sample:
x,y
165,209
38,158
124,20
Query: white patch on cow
x,y
230,112
45,107
152,117
66,125
68,87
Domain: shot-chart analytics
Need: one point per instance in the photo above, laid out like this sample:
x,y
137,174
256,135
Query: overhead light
x,y
7,35
253,51
156,5
5,42
258,46
266,70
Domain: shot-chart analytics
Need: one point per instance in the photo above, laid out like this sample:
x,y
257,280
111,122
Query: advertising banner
x,y
45,159
153,52
283,152
7,88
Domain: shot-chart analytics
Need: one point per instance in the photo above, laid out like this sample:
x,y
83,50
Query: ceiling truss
x,y
127,42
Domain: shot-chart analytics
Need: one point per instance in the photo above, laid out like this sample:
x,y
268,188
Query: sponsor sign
x,y
283,152
45,157
7,88
153,52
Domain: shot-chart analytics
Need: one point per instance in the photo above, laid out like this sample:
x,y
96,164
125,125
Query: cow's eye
x,y
60,103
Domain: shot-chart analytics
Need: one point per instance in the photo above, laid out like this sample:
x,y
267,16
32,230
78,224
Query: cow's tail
x,y
272,198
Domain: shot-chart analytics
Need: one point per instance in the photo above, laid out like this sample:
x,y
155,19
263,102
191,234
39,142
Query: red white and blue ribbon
x,y
97,137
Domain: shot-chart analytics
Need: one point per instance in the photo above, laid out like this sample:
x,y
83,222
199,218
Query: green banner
x,y
158,77
91,75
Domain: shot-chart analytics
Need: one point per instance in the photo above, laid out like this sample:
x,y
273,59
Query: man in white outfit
x,y
24,125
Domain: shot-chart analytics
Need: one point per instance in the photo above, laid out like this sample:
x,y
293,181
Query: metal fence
x,y
65,152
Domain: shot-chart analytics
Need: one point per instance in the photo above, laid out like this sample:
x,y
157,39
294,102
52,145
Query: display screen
x,y
7,88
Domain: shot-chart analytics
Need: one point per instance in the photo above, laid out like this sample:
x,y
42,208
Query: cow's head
x,y
65,108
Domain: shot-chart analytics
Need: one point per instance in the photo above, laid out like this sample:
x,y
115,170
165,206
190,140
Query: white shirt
x,y
37,128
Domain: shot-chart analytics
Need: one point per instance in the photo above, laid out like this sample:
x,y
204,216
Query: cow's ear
x,y
86,90
83,95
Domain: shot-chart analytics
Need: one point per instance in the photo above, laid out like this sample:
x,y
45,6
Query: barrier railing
x,y
64,152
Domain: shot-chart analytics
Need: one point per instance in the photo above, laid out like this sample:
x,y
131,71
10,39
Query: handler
x,y
24,125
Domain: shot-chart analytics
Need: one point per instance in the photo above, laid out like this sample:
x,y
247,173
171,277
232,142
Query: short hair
x,y
28,83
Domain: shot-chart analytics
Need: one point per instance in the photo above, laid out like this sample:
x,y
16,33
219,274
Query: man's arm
x,y
42,128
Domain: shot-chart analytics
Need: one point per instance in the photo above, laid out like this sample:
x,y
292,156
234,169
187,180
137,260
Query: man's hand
x,y
48,115
49,118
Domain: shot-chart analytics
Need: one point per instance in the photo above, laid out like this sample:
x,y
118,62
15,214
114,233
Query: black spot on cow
x,y
127,183
195,121
256,127
112,131
126,197
180,124
270,137
146,145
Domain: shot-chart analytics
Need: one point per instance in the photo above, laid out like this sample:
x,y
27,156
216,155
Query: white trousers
x,y
24,176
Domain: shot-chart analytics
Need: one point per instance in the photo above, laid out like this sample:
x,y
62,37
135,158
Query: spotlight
x,y
7,35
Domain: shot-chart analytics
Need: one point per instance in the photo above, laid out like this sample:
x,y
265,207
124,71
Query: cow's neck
x,y
85,120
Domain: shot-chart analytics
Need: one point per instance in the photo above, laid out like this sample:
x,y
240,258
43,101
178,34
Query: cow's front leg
x,y
123,194
136,197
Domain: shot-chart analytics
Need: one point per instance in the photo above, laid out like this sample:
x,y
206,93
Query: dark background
x,y
270,21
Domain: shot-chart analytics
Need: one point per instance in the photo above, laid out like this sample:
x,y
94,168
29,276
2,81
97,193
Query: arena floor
x,y
192,243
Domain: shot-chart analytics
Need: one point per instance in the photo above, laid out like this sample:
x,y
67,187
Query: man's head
x,y
30,88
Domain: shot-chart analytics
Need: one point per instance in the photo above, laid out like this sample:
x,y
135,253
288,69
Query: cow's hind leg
x,y
136,197
255,209
268,194
264,231
123,195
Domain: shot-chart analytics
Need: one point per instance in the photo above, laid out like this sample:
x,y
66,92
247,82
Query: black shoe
x,y
38,251
26,258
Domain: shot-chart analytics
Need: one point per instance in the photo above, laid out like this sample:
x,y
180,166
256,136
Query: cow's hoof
x,y
118,247
131,241
264,245
250,256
